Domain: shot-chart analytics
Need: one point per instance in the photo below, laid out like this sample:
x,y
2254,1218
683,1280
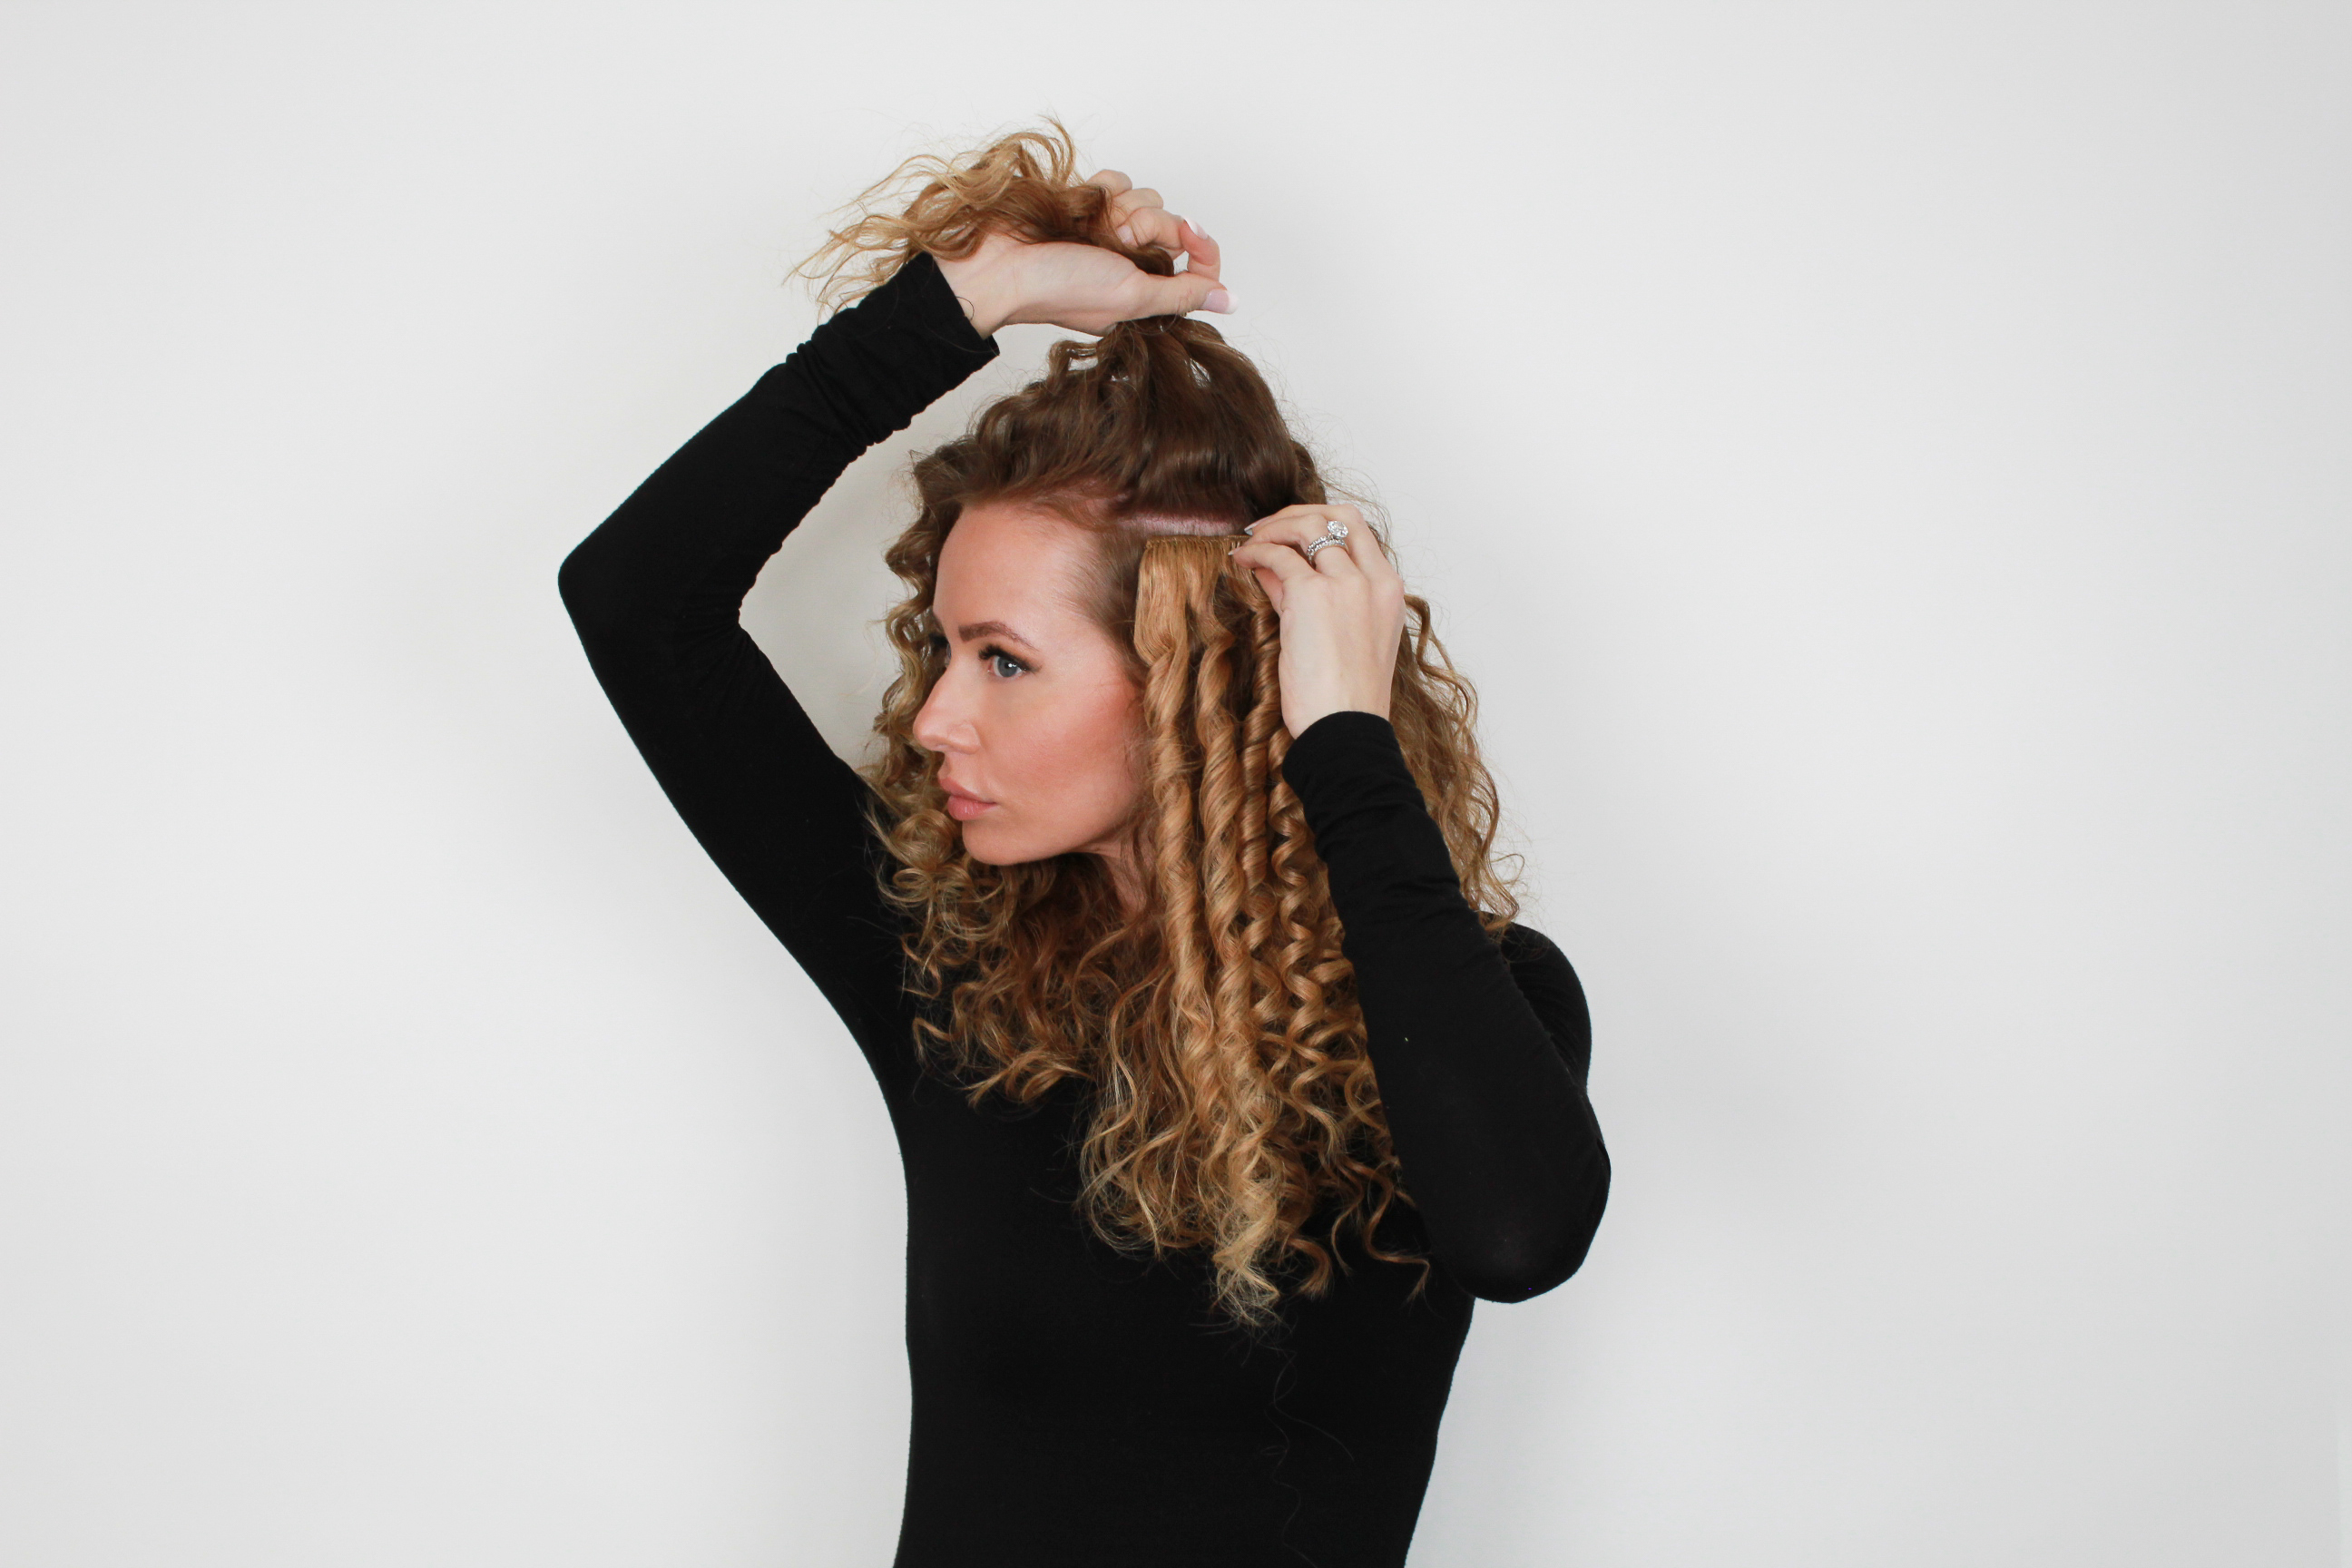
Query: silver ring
x,y
1336,529
1312,545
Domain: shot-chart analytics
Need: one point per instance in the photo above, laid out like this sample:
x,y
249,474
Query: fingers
x,y
1360,554
1178,296
1284,562
1278,544
1158,225
1152,226
1140,218
1182,236
1134,213
1125,201
1284,565
1201,252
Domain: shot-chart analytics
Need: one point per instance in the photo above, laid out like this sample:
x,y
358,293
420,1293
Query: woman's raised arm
x,y
655,592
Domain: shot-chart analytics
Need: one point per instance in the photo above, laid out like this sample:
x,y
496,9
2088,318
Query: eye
x,y
993,655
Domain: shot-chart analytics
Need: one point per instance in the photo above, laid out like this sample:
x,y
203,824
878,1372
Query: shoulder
x,y
1525,947
1549,983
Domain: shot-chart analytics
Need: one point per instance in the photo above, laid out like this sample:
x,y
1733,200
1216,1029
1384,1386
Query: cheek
x,y
1079,756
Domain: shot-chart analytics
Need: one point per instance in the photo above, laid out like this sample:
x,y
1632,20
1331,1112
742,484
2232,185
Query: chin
x,y
991,848
997,848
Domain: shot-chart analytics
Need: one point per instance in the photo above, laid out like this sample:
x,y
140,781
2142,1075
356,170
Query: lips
x,y
962,805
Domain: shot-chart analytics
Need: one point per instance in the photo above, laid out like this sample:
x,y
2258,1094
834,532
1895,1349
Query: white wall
x,y
1886,465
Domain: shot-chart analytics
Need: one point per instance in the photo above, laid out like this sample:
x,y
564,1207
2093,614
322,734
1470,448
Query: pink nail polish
x,y
1125,236
1219,300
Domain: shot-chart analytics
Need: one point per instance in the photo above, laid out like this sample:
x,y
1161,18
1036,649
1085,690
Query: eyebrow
x,y
992,629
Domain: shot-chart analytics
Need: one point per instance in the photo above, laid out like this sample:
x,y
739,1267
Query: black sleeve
x,y
655,592
1481,1052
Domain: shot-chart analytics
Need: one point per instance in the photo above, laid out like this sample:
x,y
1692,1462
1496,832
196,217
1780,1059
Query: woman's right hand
x,y
1087,288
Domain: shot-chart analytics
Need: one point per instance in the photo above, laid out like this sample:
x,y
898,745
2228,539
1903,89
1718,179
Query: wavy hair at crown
x,y
1233,1109
1024,183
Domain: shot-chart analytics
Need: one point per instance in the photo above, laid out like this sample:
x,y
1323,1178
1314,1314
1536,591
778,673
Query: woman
x,y
1223,1078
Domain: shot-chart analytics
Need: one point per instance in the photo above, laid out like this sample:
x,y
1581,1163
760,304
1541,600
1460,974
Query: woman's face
x,y
1035,717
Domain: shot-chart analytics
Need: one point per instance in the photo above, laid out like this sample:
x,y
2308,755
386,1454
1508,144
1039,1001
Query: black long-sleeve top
x,y
1074,1404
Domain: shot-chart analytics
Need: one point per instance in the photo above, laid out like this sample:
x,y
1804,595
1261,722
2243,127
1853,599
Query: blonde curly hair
x,y
1234,1109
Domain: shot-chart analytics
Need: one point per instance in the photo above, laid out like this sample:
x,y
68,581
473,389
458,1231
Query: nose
x,y
943,724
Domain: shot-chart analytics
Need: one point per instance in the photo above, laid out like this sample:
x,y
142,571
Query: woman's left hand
x,y
1342,614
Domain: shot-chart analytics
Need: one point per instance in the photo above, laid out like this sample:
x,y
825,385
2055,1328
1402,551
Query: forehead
x,y
1001,557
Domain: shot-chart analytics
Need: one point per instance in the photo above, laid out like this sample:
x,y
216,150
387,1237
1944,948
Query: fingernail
x,y
1249,528
1219,300
1197,229
1126,234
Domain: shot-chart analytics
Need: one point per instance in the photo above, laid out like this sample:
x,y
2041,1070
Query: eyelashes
x,y
991,655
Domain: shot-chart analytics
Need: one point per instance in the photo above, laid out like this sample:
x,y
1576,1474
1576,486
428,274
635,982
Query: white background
x,y
1885,465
